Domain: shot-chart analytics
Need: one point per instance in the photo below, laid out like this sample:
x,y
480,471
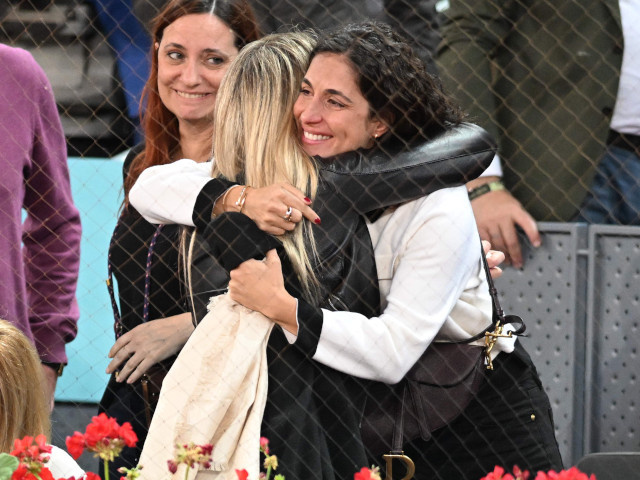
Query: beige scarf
x,y
215,393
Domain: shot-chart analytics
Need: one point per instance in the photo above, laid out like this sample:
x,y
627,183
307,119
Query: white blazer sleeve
x,y
438,255
168,193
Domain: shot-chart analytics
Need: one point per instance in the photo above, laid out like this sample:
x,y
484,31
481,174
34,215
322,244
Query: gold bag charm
x,y
390,457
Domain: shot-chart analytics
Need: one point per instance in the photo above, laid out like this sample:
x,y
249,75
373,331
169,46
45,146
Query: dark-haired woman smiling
x,y
431,279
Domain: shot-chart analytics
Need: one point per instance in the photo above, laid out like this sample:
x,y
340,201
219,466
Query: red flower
x,y
127,434
45,474
173,466
498,474
191,454
20,446
104,437
75,445
572,474
23,473
101,429
92,476
243,474
264,445
31,448
207,449
367,474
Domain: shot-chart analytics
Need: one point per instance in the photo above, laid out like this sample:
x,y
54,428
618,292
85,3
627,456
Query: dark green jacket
x,y
542,77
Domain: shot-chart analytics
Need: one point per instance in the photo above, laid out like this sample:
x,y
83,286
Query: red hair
x,y
162,137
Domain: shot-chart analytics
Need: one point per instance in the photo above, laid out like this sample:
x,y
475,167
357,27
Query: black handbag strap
x,y
498,314
398,429
498,317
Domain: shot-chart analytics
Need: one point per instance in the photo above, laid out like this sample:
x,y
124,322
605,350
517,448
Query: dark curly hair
x,y
394,80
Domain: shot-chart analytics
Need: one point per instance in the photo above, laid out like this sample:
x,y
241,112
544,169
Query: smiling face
x,y
332,114
193,55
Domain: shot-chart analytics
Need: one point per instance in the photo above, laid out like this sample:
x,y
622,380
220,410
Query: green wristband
x,y
486,188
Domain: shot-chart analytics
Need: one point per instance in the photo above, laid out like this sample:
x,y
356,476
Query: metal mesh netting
x,y
540,77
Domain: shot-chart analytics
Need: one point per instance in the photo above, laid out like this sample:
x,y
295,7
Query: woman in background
x,y
194,43
23,406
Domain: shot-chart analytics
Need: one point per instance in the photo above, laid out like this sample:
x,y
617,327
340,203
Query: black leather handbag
x,y
436,390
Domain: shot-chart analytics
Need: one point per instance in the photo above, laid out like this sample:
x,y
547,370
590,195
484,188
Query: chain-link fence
x,y
550,82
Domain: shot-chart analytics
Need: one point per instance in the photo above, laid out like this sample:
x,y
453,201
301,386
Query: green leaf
x,y
8,465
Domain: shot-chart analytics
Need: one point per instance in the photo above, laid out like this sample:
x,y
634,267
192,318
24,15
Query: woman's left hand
x,y
148,343
259,286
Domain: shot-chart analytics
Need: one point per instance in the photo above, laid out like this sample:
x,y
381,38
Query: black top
x,y
129,253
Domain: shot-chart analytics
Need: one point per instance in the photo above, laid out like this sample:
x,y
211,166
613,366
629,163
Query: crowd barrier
x,y
578,294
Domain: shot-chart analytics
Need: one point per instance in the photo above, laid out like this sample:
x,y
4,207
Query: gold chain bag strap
x,y
436,390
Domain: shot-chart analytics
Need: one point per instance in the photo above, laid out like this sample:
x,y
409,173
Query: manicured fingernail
x,y
307,199
317,221
536,243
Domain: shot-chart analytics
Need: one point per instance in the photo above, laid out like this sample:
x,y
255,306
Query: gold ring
x,y
287,216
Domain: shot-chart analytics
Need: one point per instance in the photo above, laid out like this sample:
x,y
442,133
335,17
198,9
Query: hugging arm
x,y
181,192
436,262
184,193
373,181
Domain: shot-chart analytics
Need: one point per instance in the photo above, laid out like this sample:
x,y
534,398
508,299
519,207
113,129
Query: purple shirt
x,y
39,259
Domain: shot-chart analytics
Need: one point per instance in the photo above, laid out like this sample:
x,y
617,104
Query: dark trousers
x,y
125,403
509,423
614,195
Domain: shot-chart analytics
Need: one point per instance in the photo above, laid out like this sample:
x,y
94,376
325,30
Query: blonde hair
x,y
23,405
255,136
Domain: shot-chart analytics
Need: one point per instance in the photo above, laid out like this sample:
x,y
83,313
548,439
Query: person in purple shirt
x,y
39,258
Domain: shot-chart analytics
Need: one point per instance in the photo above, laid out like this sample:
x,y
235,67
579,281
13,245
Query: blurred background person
x,y
23,406
40,255
557,84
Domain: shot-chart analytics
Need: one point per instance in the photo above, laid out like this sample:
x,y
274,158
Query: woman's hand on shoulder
x,y
277,209
259,286
147,344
